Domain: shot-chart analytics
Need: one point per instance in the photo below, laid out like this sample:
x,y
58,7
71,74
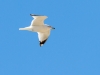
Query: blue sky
x,y
73,48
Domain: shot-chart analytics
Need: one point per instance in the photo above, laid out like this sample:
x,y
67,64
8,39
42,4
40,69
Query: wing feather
x,y
38,19
43,37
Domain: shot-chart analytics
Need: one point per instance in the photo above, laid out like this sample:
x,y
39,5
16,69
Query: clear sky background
x,y
73,48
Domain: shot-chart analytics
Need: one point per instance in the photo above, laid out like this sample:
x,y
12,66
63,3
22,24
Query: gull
x,y
37,25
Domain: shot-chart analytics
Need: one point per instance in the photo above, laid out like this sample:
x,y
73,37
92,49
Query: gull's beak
x,y
53,28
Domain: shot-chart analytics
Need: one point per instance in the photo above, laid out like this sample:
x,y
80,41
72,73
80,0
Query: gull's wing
x,y
43,37
38,19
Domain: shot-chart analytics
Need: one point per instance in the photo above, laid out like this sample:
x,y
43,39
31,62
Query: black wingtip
x,y
42,42
41,45
31,14
34,15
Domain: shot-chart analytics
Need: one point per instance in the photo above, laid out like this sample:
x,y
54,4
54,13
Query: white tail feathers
x,y
26,28
23,28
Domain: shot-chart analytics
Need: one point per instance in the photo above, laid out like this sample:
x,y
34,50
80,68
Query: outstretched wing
x,y
38,19
43,37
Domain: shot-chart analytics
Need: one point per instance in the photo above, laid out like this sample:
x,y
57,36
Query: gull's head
x,y
50,27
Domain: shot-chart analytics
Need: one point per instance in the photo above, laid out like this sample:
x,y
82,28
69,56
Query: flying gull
x,y
37,25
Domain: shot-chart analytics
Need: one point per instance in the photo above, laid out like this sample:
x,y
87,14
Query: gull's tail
x,y
26,28
22,28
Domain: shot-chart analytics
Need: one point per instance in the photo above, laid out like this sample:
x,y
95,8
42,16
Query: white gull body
x,y
37,25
